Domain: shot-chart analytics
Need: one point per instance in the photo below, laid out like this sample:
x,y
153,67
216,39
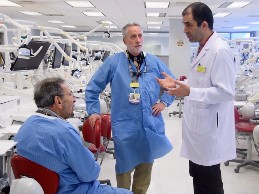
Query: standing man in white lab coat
x,y
208,122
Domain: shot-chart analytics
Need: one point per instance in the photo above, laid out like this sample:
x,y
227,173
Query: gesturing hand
x,y
167,82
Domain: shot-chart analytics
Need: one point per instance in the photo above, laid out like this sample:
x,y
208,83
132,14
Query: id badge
x,y
134,98
201,69
134,85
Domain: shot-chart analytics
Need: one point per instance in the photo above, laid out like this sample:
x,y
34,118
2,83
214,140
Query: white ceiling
x,y
121,12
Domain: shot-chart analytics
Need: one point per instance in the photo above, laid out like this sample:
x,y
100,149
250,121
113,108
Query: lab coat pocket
x,y
125,129
156,124
199,120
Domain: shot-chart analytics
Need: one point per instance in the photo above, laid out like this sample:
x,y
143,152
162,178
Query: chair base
x,y
243,163
242,153
246,163
180,112
175,113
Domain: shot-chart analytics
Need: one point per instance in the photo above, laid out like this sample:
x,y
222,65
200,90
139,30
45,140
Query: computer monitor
x,y
2,62
67,51
74,47
97,54
105,55
32,62
56,63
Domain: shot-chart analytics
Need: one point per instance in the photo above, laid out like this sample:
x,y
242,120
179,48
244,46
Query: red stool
x,y
245,129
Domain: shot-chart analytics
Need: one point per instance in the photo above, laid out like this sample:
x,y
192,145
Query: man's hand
x,y
173,87
167,82
93,118
181,90
158,108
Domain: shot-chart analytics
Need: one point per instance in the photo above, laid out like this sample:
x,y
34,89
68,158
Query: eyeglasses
x,y
69,94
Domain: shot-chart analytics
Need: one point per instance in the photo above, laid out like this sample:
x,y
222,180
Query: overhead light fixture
x,y
93,13
80,3
155,14
55,22
154,23
154,27
68,26
254,23
33,13
152,14
238,4
225,5
111,27
241,27
153,34
6,3
220,15
106,22
157,5
117,34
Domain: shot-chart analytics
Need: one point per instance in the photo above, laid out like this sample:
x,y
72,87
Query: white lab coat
x,y
208,122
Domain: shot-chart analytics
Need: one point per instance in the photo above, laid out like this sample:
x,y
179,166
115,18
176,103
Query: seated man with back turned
x,y
49,140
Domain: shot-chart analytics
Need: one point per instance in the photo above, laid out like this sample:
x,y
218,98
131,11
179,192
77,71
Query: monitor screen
x,y
74,47
105,55
97,54
56,63
32,62
1,60
67,51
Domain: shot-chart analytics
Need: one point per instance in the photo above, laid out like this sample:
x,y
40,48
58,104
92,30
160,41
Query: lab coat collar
x,y
205,49
126,54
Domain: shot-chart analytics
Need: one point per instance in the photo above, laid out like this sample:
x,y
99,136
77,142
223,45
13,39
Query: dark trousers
x,y
206,179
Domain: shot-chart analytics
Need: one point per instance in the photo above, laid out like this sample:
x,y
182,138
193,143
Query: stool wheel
x,y
226,163
236,170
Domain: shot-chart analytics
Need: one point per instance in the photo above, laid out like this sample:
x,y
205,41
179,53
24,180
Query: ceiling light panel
x,y
106,22
220,15
155,14
154,23
225,5
33,13
153,34
153,27
157,5
152,14
254,23
67,26
80,3
238,4
241,27
112,27
92,13
55,22
6,3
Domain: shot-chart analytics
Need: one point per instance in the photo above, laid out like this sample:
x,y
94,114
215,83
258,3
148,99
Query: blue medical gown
x,y
139,137
55,144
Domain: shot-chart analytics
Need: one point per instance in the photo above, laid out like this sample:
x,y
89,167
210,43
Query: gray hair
x,y
125,28
46,90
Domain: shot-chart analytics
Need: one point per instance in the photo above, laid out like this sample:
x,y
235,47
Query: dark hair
x,y
46,90
200,12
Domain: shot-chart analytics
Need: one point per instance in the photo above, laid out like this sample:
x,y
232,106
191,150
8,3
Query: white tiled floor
x,y
170,174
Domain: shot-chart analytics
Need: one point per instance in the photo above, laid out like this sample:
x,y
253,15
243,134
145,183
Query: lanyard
x,y
135,74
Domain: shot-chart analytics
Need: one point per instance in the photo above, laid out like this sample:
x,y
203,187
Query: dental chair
x,y
49,180
181,78
93,136
106,133
244,129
